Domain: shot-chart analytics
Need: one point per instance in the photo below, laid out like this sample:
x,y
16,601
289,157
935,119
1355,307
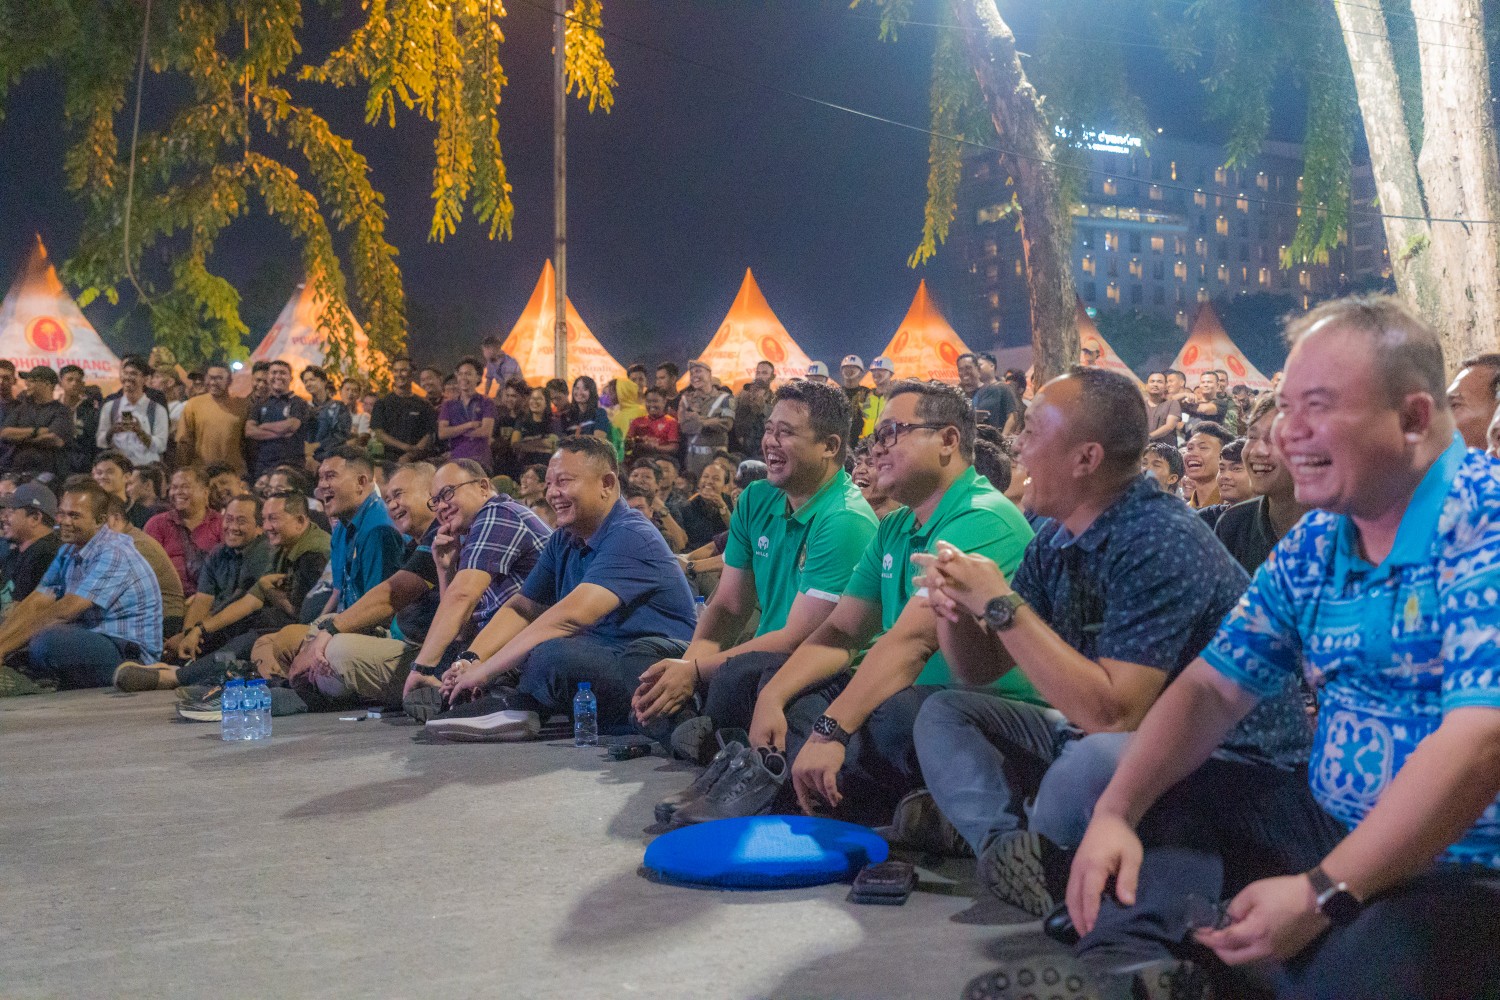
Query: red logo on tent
x,y
48,335
1235,365
771,350
1190,355
900,344
948,353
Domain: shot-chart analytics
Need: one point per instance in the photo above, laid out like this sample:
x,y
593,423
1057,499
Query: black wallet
x,y
888,883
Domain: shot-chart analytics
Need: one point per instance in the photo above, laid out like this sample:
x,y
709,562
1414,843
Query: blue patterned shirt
x,y
505,539
1391,648
112,576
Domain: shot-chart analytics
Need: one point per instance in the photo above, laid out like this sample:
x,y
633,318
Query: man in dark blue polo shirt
x,y
605,601
275,423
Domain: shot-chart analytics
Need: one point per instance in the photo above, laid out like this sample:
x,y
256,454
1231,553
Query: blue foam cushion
x,y
764,852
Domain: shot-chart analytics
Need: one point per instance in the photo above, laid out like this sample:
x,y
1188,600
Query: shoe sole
x,y
1017,875
499,727
1061,977
200,714
135,678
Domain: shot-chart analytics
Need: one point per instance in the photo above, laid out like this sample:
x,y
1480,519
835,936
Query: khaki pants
x,y
367,668
273,652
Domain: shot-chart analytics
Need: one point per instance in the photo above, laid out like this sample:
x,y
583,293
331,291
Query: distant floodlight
x,y
235,366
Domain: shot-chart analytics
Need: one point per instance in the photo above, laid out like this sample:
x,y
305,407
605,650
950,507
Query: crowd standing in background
x,y
938,609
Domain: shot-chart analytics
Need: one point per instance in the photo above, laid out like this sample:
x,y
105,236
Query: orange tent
x,y
1090,338
751,333
1208,346
531,340
40,324
924,345
296,339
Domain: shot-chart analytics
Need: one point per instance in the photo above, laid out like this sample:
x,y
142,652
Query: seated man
x,y
793,540
646,476
173,605
1122,587
228,573
365,549
849,736
485,546
190,529
1376,873
28,521
98,604
604,601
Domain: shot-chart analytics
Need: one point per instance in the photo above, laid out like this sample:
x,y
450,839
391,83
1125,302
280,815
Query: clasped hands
x,y
959,584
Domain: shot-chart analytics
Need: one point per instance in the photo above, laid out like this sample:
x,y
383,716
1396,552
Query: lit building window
x,y
1265,277
1200,199
1155,192
1110,187
1179,245
994,300
1111,240
1180,271
1018,267
995,327
1088,263
1158,244
991,250
1202,247
1299,185
1221,226
1262,181
1221,176
1182,319
1243,204
1304,278
1224,273
1112,292
1202,293
1135,267
1174,170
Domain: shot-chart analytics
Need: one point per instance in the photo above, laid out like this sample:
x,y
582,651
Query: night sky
x,y
693,177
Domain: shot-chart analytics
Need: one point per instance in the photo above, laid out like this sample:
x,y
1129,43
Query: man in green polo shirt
x,y
849,735
793,540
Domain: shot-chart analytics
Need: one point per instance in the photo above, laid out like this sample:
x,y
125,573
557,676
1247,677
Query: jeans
x,y
210,668
553,670
734,687
983,756
77,657
1072,785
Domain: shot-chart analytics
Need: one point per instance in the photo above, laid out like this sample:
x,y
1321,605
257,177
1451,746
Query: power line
x,y
959,140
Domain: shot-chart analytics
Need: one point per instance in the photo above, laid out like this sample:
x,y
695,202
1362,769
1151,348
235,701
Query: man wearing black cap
x,y
37,427
28,518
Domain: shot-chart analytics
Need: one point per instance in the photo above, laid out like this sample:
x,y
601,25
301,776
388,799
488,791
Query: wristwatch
x,y
1335,901
328,626
1000,612
829,729
467,656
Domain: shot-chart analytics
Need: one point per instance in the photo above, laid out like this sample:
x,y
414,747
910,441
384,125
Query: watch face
x,y
1341,908
824,726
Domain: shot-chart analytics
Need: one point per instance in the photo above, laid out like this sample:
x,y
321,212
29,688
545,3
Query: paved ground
x,y
146,858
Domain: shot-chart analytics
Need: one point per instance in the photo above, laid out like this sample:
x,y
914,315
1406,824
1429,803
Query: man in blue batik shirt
x,y
1380,876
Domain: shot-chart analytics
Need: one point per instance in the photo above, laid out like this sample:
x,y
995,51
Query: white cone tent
x,y
296,339
1208,347
751,333
924,345
531,340
40,324
1090,338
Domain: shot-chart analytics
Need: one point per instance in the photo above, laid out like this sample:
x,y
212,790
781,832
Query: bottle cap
x,y
584,686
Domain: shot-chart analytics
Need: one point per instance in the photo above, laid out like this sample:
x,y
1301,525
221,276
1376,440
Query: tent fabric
x,y
924,346
531,340
763,852
40,324
1090,337
296,339
1208,347
751,333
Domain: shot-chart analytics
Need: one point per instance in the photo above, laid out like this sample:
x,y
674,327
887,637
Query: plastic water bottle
x,y
585,717
231,721
699,603
258,710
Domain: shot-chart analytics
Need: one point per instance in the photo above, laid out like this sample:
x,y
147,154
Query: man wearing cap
x,y
882,371
36,427
28,518
817,372
851,374
706,416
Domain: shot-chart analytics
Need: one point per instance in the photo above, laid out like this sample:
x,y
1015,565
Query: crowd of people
x,y
1207,679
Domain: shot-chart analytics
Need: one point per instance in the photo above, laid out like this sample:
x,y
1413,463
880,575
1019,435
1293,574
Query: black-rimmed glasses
x,y
445,494
887,434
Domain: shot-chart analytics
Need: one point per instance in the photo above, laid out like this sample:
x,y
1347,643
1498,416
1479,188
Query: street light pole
x,y
560,186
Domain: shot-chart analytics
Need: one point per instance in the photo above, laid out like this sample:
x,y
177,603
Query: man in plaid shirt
x,y
97,606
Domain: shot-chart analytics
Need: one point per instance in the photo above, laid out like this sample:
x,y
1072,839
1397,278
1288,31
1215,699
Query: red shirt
x,y
663,429
187,552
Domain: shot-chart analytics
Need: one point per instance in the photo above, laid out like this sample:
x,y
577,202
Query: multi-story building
x,y
1159,233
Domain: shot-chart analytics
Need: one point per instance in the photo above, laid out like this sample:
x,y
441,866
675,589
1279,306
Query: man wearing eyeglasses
x,y
849,735
485,546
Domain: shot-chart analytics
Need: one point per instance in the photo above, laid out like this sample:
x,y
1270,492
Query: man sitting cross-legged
x,y
97,605
793,540
227,575
486,544
1122,587
604,602
1375,873
849,736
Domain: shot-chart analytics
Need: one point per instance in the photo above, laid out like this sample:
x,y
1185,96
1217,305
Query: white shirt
x,y
128,443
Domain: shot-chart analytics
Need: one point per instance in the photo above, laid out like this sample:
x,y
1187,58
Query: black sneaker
x,y
693,740
919,825
1060,975
668,806
423,702
207,708
1016,868
747,787
488,720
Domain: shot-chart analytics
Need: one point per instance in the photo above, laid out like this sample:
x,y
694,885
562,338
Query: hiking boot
x,y
693,740
488,720
133,676
747,787
668,806
1058,974
919,825
14,684
1016,868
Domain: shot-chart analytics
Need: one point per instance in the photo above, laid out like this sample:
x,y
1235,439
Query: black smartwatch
x,y
829,729
328,626
1335,901
1000,612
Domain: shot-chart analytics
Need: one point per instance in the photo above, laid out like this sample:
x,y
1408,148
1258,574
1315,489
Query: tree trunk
x,y
1449,271
1046,229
